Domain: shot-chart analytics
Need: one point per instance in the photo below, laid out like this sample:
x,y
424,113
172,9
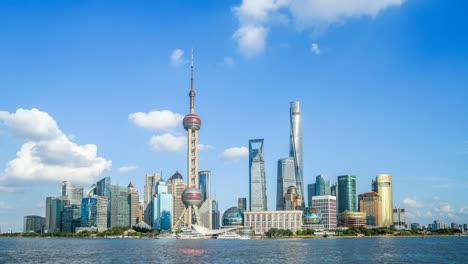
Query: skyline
x,y
379,93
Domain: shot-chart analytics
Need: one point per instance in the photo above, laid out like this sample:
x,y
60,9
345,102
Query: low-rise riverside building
x,y
262,221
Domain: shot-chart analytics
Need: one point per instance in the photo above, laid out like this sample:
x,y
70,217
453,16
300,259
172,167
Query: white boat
x,y
232,235
191,234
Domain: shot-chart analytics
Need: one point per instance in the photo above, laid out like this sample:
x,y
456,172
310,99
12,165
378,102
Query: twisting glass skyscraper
x,y
295,146
257,181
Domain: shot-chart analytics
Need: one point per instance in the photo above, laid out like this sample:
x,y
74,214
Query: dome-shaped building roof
x,y
233,216
176,176
311,216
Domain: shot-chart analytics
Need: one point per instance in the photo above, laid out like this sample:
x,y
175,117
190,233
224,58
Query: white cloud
x,y
255,17
315,48
251,39
228,61
7,189
4,206
48,154
177,56
125,169
463,210
412,203
156,120
205,147
234,153
167,142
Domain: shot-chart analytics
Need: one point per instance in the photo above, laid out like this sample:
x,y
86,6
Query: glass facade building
x,y
34,223
103,188
383,186
310,193
257,179
54,206
233,216
215,217
162,207
286,178
204,184
71,215
120,207
322,187
295,146
242,203
73,193
347,193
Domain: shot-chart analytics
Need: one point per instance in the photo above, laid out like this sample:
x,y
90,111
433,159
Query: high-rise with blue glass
x,y
257,179
162,207
347,193
286,178
295,146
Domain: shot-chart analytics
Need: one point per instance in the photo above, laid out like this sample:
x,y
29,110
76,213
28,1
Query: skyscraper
x,y
370,203
205,184
257,179
191,197
120,207
54,206
33,223
295,146
326,204
322,187
241,203
347,193
310,193
383,186
71,215
176,186
150,186
333,190
134,201
94,212
162,207
73,193
399,218
215,218
103,188
286,178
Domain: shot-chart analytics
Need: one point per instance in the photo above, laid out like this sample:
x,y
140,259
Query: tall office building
x,y
71,215
204,178
94,212
150,186
215,217
322,187
242,203
310,193
399,218
383,186
162,207
120,207
347,193
295,146
333,190
205,209
286,178
176,186
54,206
73,193
257,179
192,196
326,204
33,223
370,203
103,188
134,201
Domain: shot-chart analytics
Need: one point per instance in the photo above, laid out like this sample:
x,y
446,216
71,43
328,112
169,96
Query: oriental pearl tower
x,y
192,196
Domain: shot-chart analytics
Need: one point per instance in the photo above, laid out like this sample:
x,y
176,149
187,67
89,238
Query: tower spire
x,y
192,89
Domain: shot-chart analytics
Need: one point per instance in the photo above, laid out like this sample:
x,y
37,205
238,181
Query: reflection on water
x,y
328,250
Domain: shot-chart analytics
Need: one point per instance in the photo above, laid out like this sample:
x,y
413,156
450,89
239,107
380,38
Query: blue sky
x,y
383,88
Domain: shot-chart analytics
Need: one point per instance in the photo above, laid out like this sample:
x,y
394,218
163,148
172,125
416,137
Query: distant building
x,y
242,203
140,213
71,215
347,193
292,200
175,186
437,225
326,204
310,193
150,187
416,226
322,187
94,213
262,221
399,218
103,188
54,206
216,216
370,204
333,190
352,219
233,216
383,186
257,178
295,145
286,178
120,207
162,207
205,209
134,200
73,193
34,223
